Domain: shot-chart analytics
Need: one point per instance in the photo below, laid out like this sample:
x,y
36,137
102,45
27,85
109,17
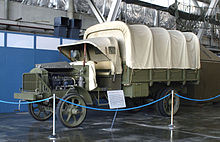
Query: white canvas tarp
x,y
161,48
144,48
179,52
135,42
141,55
193,48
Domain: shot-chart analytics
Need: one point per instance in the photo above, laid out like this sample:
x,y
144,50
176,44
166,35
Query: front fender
x,y
83,93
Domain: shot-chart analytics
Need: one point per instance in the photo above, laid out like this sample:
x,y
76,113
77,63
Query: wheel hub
x,y
74,111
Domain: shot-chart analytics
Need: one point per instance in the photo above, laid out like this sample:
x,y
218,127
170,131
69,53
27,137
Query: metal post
x,y
114,10
70,11
53,136
96,11
212,6
54,103
6,7
157,18
171,135
171,121
103,8
113,121
19,105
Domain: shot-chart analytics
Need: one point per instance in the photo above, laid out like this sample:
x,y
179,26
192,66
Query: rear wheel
x,y
130,103
70,115
163,107
40,111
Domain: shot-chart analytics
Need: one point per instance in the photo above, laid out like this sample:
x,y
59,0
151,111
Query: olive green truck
x,y
146,63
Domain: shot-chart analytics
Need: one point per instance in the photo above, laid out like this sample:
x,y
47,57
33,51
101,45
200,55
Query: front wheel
x,y
70,115
40,111
163,107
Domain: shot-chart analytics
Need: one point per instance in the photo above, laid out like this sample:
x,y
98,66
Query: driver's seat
x,y
105,68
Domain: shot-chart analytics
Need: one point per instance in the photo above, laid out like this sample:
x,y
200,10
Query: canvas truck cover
x,y
145,48
161,48
135,42
193,48
108,46
179,50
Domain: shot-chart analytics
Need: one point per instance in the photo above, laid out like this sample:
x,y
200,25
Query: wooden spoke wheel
x,y
40,111
163,107
70,115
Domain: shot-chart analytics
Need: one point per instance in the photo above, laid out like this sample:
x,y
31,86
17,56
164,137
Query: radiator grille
x,y
30,82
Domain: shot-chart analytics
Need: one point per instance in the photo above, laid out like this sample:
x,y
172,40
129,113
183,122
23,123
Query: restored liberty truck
x,y
146,63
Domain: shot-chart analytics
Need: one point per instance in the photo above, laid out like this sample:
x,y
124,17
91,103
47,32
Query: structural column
x,y
96,11
6,9
70,10
212,6
157,18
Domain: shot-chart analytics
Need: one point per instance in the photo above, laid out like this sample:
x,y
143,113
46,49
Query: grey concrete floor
x,y
193,124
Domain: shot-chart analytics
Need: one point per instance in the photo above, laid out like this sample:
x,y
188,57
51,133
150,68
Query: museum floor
x,y
199,124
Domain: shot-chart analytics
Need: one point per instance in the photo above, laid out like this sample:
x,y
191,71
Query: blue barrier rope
x,y
23,103
126,109
198,100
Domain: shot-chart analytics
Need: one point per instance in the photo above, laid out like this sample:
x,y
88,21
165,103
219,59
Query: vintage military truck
x,y
146,63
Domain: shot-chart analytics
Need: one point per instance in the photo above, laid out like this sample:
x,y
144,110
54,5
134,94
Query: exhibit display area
x,y
109,70
109,59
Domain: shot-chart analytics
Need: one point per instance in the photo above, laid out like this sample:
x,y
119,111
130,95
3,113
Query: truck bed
x,y
159,75
136,83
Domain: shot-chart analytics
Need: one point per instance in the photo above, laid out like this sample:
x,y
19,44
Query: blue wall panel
x,y
46,56
13,63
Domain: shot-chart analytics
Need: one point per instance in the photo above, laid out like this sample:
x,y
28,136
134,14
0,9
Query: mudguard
x,y
83,93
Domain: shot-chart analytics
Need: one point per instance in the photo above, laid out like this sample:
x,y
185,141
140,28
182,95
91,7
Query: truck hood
x,y
103,44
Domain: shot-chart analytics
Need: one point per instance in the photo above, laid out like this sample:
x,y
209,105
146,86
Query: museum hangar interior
x,y
110,70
